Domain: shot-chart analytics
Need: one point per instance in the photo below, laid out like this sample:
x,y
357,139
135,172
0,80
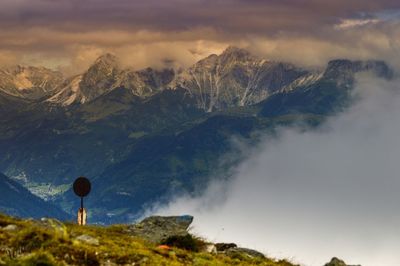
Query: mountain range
x,y
142,135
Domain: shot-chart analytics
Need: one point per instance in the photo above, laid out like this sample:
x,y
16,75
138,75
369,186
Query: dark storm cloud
x,y
228,15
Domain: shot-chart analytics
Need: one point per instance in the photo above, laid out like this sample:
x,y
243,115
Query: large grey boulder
x,y
158,228
338,262
234,252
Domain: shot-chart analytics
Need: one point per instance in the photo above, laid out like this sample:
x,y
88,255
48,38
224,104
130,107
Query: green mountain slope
x,y
18,201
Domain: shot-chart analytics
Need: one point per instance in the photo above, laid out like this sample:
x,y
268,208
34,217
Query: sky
x,y
310,196
307,196
70,34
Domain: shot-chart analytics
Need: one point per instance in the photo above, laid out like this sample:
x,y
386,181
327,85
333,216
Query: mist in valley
x,y
309,196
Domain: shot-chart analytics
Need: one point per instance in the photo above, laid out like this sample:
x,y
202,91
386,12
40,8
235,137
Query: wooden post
x,y
82,216
82,211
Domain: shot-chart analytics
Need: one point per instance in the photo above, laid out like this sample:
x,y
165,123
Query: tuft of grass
x,y
186,242
40,258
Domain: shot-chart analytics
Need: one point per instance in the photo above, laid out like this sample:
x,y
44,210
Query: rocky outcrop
x,y
88,240
338,262
158,228
251,253
224,246
232,250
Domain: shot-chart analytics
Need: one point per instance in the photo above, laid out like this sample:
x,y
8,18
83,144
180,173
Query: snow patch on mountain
x,y
69,94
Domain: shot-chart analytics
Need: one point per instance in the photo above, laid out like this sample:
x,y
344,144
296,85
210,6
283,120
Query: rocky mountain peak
x,y
105,75
235,51
106,59
234,55
156,78
105,65
235,78
342,70
100,77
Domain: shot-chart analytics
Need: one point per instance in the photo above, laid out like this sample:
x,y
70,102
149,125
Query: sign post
x,y
82,188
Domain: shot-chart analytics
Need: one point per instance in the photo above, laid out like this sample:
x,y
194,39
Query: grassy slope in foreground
x,y
30,242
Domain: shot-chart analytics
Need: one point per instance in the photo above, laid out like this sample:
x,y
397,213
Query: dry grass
x,y
35,244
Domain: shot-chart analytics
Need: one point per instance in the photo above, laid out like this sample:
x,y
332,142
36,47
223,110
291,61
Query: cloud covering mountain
x,y
330,191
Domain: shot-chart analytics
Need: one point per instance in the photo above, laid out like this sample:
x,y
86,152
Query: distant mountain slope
x,y
9,103
105,75
140,135
17,201
325,95
217,82
235,78
163,164
30,82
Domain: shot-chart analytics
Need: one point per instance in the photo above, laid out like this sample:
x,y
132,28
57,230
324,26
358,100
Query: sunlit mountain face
x,y
164,104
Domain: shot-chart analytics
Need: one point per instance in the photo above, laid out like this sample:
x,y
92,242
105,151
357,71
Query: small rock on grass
x,y
88,240
10,227
244,251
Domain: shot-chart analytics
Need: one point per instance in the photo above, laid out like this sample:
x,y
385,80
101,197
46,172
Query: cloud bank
x,y
309,196
69,34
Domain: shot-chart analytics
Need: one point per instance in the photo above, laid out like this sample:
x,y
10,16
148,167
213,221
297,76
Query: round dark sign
x,y
82,186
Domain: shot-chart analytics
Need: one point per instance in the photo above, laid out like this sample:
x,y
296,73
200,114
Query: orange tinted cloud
x,y
69,34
